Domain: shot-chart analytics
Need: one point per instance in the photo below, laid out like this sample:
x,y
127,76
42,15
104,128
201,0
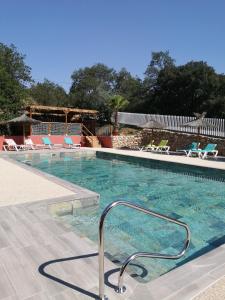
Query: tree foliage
x,y
182,90
14,77
165,89
116,103
160,61
92,87
48,93
131,88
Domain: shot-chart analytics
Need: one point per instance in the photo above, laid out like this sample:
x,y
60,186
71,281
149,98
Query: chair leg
x,y
188,153
204,155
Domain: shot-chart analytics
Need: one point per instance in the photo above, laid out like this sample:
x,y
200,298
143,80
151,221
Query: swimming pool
x,y
193,195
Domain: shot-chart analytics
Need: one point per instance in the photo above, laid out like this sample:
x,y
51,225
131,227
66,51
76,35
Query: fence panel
x,y
56,128
40,129
174,123
74,129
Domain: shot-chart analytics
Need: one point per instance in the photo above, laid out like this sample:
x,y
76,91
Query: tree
x,y
186,89
48,93
92,88
215,104
160,61
14,78
130,88
117,103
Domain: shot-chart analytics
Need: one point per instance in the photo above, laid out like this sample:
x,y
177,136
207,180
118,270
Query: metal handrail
x,y
135,255
88,133
86,130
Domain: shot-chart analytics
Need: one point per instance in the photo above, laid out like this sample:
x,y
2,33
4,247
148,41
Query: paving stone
x,y
214,292
6,288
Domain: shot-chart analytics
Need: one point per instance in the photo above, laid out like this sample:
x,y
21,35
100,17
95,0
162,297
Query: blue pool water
x,y
193,195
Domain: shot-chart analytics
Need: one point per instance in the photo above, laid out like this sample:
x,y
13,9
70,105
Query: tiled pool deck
x,y
41,258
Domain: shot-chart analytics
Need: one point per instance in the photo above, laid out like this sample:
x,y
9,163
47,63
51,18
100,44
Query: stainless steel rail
x,y
121,288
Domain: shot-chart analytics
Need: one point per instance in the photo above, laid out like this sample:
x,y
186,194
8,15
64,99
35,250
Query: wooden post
x,y
30,124
49,128
24,133
66,121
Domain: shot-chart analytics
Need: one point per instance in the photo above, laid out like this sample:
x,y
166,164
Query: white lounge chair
x,y
29,145
12,146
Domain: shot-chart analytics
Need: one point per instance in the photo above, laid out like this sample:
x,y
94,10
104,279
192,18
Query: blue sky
x,y
59,36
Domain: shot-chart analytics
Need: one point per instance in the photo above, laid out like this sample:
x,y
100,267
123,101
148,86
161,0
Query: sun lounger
x,y
48,143
31,146
187,150
11,145
68,143
209,149
147,147
162,147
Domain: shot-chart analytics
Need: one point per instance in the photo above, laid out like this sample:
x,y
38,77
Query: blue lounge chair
x,y
69,143
209,149
47,142
187,150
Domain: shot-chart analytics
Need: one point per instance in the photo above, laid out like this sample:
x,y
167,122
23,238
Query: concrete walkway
x,y
214,292
181,159
19,185
42,259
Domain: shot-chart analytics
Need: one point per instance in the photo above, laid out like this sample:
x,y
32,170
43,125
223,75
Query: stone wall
x,y
126,141
177,140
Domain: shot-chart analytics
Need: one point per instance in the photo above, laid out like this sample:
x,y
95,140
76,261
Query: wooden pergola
x,y
59,111
67,114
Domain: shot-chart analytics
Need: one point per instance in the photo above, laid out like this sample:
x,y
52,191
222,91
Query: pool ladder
x,y
121,288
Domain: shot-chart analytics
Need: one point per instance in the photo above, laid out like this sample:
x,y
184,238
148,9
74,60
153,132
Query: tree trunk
x,y
116,125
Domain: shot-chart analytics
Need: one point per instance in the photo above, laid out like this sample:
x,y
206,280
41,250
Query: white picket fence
x,y
174,123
